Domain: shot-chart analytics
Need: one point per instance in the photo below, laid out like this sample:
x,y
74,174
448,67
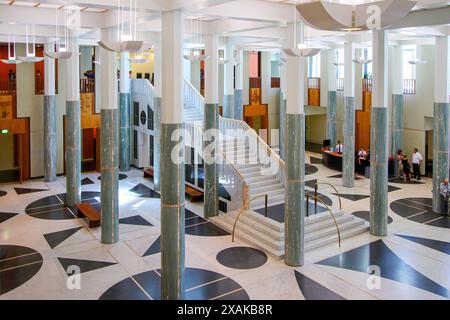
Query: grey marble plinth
x,y
238,108
398,101
211,121
332,117
172,216
294,212
73,153
348,162
50,138
440,150
110,175
228,106
282,124
124,153
379,171
156,143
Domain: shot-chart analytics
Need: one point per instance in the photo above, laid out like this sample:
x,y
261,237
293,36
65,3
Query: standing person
x,y
400,162
406,168
444,190
416,160
362,157
339,147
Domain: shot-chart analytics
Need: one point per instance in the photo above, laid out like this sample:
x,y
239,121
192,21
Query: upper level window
x,y
314,66
367,53
409,53
340,61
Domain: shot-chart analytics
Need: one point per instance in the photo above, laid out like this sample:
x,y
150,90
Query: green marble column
x,y
332,117
156,144
50,138
294,211
110,175
397,127
125,131
73,153
228,106
211,122
172,215
440,150
238,108
379,171
348,161
282,124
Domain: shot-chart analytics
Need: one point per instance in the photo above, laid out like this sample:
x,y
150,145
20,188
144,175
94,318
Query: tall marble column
x,y
282,109
398,104
124,111
73,123
239,83
228,81
332,99
49,116
294,209
157,102
441,118
348,161
172,162
211,122
109,146
379,136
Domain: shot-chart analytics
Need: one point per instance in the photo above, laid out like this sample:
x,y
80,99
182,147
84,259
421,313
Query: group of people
x,y
404,165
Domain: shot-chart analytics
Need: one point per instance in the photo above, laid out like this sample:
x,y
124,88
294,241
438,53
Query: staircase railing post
x,y
266,198
307,204
315,198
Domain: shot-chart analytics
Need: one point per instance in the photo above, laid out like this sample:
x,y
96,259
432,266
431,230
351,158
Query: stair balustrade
x,y
193,98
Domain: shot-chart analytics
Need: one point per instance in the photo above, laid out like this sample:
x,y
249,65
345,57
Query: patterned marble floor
x,y
41,240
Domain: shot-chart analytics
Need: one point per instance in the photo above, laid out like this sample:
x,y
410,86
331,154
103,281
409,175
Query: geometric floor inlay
x,y
438,245
84,265
6,216
199,284
17,265
419,210
154,248
55,238
135,220
86,181
197,226
3,193
313,290
121,176
310,169
365,215
28,190
390,265
143,191
241,258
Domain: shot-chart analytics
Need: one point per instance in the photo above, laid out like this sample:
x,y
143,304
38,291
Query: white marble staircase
x,y
268,234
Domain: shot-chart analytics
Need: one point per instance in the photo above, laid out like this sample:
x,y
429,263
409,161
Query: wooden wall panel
x,y
314,97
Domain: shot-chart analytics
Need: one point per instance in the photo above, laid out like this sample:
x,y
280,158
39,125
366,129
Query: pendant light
x,y
31,54
126,36
11,56
418,60
62,50
195,52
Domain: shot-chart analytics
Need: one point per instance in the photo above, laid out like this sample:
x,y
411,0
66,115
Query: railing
x,y
87,85
275,82
142,87
229,177
243,209
340,84
255,83
409,86
243,133
367,85
193,98
316,187
313,83
7,87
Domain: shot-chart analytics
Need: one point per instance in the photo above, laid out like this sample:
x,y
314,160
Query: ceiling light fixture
x,y
31,54
11,55
196,53
126,35
418,60
61,50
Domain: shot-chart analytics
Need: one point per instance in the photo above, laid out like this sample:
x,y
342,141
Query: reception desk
x,y
332,160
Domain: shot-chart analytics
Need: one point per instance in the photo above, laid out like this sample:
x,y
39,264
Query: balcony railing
x,y
7,87
275,83
87,85
409,86
367,85
340,84
313,83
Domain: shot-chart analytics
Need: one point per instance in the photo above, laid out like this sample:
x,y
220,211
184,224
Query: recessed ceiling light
x,y
48,6
25,4
5,2
94,10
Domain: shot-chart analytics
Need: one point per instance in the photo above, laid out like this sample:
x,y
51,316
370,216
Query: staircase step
x,y
330,230
268,188
334,238
259,178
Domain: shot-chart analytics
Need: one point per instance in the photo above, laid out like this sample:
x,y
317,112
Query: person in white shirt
x,y
339,147
362,158
416,160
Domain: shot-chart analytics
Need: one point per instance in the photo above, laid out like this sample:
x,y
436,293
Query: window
x,y
314,66
150,118
340,60
367,68
409,54
136,113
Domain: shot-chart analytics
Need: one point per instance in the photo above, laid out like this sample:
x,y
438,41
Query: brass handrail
x,y
332,216
337,192
243,208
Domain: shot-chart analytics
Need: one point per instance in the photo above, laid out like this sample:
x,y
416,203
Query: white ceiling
x,y
252,24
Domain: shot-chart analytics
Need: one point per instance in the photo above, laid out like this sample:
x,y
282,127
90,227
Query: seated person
x,y
444,190
339,147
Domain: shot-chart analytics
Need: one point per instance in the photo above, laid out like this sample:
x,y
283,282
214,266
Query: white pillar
x,y
49,74
212,69
397,70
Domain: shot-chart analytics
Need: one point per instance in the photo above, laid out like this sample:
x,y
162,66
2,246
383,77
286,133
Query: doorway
x,y
89,159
